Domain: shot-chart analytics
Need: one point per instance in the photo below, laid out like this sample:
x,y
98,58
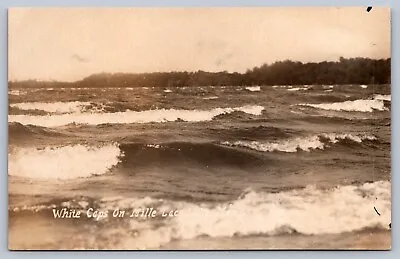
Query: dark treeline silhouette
x,y
344,71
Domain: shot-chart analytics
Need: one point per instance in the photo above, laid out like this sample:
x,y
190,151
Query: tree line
x,y
344,71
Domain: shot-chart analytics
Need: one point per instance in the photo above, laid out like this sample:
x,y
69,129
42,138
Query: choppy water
x,y
253,164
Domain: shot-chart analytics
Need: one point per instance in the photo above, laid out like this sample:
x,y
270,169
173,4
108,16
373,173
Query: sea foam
x,y
53,107
306,143
298,89
17,92
356,105
253,88
210,98
308,211
160,115
66,162
383,97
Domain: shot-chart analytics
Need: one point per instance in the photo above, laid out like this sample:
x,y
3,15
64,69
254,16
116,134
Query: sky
x,y
68,44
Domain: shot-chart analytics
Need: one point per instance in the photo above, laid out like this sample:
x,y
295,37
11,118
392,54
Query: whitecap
x,y
306,143
64,162
356,105
253,88
159,115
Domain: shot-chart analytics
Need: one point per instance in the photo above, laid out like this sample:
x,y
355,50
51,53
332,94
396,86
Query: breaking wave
x,y
253,88
65,162
307,211
210,98
382,97
356,105
300,143
148,116
17,92
298,89
53,107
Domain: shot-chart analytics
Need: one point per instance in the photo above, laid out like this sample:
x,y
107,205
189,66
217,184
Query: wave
x,y
300,143
356,105
364,86
282,86
307,211
17,92
253,88
167,91
328,98
293,89
74,107
383,97
186,153
298,89
210,98
17,131
53,107
253,132
148,116
81,161
66,162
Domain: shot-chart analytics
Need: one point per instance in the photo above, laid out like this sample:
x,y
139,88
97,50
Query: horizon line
x,y
191,71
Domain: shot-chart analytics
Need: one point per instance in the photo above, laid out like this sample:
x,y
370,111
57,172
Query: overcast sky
x,y
67,44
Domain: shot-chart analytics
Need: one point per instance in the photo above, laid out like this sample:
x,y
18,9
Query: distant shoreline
x,y
351,71
146,87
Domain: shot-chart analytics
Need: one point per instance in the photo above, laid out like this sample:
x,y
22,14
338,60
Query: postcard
x,y
262,128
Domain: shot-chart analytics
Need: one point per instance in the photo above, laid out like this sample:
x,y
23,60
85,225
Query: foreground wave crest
x,y
66,162
337,210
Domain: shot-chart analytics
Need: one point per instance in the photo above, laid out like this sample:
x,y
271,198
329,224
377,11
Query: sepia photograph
x,y
220,128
